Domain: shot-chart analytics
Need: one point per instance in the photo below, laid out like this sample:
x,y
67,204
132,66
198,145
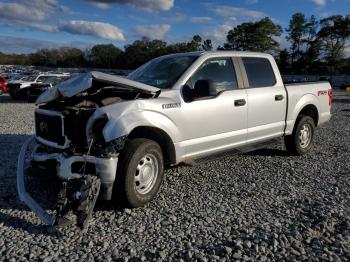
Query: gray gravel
x,y
265,205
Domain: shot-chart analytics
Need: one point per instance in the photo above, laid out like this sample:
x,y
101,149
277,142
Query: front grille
x,y
49,127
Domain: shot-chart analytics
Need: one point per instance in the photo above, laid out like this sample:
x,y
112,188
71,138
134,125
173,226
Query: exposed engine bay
x,y
85,163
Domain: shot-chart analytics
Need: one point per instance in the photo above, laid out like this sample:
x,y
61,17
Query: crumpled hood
x,y
76,85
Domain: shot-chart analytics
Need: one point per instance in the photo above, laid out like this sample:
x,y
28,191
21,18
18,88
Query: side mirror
x,y
204,89
187,93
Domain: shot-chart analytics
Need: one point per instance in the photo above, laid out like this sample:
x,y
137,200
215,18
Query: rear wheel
x,y
15,96
301,140
140,173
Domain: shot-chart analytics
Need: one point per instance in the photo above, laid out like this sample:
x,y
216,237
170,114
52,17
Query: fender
x,y
308,99
129,121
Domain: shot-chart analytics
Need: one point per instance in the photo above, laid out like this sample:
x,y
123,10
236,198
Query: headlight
x,y
97,130
99,146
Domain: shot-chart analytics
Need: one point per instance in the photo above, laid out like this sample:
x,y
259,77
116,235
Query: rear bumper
x,y
105,169
324,118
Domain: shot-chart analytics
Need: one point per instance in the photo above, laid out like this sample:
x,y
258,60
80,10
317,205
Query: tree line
x,y
316,47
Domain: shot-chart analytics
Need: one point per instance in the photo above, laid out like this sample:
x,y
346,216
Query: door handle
x,y
279,97
240,102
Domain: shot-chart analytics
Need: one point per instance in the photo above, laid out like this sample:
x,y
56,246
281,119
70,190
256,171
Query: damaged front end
x,y
70,138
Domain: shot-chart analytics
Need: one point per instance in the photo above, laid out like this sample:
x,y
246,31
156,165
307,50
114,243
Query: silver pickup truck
x,y
112,137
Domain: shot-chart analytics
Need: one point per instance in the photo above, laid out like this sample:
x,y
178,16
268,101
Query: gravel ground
x,y
265,205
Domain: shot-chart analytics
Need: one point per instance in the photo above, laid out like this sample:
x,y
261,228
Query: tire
x,y
140,173
14,96
301,140
1,91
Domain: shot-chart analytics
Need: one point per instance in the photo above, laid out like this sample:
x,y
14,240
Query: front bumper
x,y
105,170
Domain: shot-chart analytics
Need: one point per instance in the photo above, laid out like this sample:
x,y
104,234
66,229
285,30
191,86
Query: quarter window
x,y
220,71
259,72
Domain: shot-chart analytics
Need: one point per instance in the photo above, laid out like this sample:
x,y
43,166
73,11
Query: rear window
x,y
259,72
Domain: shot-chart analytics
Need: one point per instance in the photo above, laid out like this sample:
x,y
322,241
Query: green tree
x,y
334,34
142,51
283,61
195,44
71,57
207,45
305,45
254,36
104,56
296,31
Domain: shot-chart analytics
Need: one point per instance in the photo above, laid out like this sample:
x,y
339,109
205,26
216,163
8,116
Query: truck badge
x,y
43,127
174,105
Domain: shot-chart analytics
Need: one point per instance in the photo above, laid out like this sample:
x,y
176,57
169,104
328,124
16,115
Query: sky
x,y
28,25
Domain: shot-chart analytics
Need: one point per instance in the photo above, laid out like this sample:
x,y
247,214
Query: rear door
x,y
267,99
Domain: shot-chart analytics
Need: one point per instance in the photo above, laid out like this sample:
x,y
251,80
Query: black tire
x,y
294,143
14,96
127,190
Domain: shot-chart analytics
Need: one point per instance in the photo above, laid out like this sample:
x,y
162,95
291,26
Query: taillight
x,y
330,97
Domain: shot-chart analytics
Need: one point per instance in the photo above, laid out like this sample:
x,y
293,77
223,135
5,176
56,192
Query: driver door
x,y
217,123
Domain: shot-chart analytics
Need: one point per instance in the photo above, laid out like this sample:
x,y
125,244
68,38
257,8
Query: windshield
x,y
29,78
162,72
15,77
47,79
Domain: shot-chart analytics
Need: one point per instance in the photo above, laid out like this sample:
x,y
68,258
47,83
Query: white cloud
x,y
218,34
31,14
153,31
229,11
97,29
20,45
47,5
100,5
320,2
251,2
177,17
39,14
43,27
149,5
201,19
19,12
233,17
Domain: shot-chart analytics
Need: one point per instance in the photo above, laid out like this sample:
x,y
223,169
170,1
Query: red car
x,y
3,85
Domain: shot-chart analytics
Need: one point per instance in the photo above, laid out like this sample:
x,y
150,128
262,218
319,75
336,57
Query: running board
x,y
235,151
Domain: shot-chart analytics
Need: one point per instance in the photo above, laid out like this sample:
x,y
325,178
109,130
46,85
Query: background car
x,y
36,89
3,85
19,88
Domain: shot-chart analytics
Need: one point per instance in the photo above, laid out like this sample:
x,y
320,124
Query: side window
x,y
41,78
218,70
259,72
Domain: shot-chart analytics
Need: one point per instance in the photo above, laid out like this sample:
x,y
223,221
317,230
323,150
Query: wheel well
x,y
310,110
159,136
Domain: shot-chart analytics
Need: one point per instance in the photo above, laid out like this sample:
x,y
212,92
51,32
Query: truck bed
x,y
317,94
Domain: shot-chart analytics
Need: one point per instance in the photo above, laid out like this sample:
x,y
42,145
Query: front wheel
x,y
140,172
301,140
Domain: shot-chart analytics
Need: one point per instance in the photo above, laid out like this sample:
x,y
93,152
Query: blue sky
x,y
26,25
